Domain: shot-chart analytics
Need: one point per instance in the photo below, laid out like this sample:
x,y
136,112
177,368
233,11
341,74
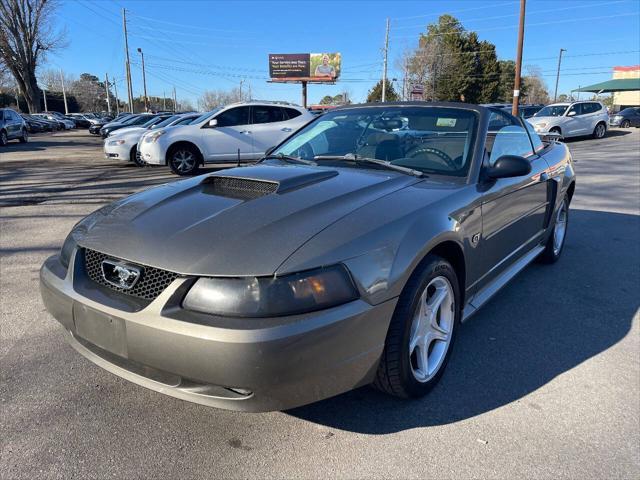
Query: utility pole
x,y
127,64
144,82
555,92
44,95
175,106
516,83
115,90
106,87
241,82
164,100
384,69
64,94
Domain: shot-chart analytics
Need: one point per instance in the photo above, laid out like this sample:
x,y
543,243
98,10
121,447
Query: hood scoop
x,y
238,188
259,181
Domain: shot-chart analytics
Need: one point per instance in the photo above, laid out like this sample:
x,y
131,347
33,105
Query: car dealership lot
x,y
544,381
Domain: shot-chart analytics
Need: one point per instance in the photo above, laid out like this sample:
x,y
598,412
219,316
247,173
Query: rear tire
x,y
416,353
184,160
25,136
599,131
555,243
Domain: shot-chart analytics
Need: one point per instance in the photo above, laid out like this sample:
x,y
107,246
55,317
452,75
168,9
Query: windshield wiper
x,y
383,163
289,159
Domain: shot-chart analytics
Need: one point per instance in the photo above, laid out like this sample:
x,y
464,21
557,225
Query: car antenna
x,y
238,158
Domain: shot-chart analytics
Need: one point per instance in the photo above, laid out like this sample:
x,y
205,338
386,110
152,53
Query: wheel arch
x,y
570,190
180,143
451,251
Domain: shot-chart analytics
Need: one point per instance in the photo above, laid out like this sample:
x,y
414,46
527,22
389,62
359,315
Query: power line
x,y
555,10
458,11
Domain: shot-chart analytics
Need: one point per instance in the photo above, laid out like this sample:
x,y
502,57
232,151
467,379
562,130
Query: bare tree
x,y
534,86
215,98
26,34
51,80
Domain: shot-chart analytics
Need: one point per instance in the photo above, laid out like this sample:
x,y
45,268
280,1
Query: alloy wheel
x,y
3,138
183,161
560,228
432,329
600,130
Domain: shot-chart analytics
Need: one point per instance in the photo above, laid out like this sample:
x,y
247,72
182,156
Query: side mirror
x,y
269,150
572,113
213,123
509,166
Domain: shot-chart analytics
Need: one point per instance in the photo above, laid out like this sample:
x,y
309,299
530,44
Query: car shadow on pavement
x,y
549,320
610,133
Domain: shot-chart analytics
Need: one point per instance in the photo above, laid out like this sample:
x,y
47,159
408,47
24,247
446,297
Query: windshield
x,y
552,111
204,116
137,120
429,139
166,121
151,122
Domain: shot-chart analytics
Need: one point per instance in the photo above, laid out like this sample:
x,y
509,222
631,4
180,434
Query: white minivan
x,y
237,132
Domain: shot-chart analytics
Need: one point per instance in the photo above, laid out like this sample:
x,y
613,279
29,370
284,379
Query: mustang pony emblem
x,y
119,274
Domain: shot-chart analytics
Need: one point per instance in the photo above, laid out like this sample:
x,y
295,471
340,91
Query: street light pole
x,y
144,82
384,68
64,94
555,92
516,83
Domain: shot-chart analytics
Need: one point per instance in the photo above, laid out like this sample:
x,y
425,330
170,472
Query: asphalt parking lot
x,y
544,381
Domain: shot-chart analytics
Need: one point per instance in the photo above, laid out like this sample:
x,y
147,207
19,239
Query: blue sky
x,y
199,45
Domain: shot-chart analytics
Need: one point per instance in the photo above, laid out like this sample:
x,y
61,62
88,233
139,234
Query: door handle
x,y
245,132
286,129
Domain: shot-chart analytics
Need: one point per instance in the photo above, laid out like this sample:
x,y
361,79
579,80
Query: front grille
x,y
239,188
151,283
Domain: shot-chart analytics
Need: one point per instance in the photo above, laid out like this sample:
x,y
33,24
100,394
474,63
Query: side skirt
x,y
490,290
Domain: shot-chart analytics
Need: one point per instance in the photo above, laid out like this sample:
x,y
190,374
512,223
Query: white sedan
x,y
123,144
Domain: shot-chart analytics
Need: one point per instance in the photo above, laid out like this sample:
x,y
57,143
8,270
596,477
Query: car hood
x,y
535,120
129,130
220,224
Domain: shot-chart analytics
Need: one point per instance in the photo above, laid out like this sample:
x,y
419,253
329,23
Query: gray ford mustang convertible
x,y
349,255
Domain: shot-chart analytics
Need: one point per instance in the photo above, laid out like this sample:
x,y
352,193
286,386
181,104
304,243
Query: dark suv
x,y
12,126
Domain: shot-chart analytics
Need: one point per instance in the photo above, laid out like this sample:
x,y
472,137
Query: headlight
x,y
153,137
67,249
541,125
272,296
114,143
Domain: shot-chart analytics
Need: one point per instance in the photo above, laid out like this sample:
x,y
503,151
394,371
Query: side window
x,y
506,136
267,114
1,115
576,108
233,117
291,113
535,138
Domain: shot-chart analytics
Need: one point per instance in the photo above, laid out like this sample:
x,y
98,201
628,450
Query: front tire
x,y
184,160
135,157
25,136
555,243
422,331
3,138
625,124
600,131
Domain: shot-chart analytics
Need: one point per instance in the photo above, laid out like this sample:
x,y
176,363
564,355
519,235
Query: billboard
x,y
316,67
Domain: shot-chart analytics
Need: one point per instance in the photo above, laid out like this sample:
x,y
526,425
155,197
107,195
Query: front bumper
x,y
120,152
615,122
152,153
237,364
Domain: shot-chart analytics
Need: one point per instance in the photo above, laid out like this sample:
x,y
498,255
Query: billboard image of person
x,y
325,65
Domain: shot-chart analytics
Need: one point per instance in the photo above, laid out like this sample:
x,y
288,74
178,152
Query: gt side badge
x,y
475,239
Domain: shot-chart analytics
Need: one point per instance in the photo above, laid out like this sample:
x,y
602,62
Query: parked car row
x,y
238,132
572,119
